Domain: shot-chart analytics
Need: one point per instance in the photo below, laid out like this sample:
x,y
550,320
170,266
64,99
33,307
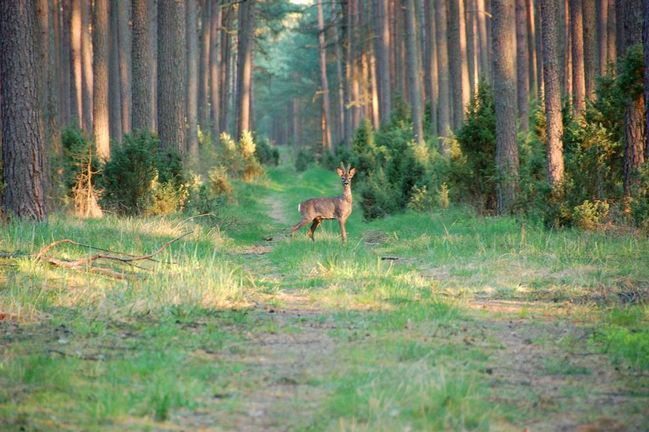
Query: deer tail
x,y
299,207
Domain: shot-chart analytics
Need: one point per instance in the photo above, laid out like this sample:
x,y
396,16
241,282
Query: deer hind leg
x,y
298,225
314,226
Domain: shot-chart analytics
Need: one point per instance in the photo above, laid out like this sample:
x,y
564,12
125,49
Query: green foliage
x,y
266,153
477,139
303,159
140,178
589,215
77,150
640,200
247,148
229,155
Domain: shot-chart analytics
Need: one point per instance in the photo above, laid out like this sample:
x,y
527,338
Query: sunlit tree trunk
x,y
413,72
65,91
100,82
87,57
204,65
114,91
382,49
602,35
522,64
324,81
244,66
590,47
459,66
577,35
125,41
554,123
77,77
645,39
504,50
192,77
444,106
340,135
22,126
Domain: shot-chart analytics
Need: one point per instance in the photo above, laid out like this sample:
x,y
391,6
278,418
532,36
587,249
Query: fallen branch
x,y
88,261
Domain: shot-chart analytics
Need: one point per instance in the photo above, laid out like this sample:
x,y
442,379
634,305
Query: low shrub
x,y
303,159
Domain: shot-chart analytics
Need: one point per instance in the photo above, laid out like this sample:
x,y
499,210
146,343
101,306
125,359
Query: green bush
x,y
303,159
589,215
248,150
229,155
640,201
80,166
142,179
266,153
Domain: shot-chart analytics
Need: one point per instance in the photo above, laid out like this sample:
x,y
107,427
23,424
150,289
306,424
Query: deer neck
x,y
347,193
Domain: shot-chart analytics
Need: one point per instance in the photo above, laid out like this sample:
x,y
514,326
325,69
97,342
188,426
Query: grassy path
x,y
440,321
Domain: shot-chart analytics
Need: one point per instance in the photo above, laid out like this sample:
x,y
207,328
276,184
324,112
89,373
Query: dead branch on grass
x,y
88,262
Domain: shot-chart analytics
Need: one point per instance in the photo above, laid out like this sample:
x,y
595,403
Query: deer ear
x,y
340,172
352,172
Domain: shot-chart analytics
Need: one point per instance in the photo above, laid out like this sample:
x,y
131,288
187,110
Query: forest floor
x,y
422,321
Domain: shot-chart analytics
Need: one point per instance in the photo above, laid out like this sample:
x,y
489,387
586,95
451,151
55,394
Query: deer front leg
x,y
314,226
343,232
298,225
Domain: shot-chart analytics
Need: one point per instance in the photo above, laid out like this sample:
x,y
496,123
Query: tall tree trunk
x,y
22,125
54,78
45,81
413,72
531,50
192,77
483,40
611,27
444,106
382,49
77,77
226,61
566,73
591,64
634,117
324,82
522,64
459,67
125,42
65,91
114,91
430,66
341,77
171,75
87,68
602,42
471,30
538,42
216,81
204,65
244,66
141,55
100,82
554,122
645,40
153,16
577,35
504,48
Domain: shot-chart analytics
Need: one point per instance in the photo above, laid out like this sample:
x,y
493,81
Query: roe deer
x,y
315,210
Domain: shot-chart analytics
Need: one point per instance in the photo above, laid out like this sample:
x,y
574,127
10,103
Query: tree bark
x,y
100,81
340,135
602,41
554,122
125,43
204,65
504,49
431,75
591,64
324,82
483,41
87,67
141,55
22,125
459,67
443,111
645,40
77,77
244,66
171,75
577,35
217,84
114,91
611,40
382,49
522,65
192,77
65,91
413,72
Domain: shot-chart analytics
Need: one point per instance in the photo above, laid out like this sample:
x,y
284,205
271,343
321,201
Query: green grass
x,y
384,332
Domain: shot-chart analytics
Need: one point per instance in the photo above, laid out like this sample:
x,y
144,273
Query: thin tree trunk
x,y
431,75
54,78
444,106
87,68
602,45
531,49
504,47
567,62
215,70
192,77
142,58
577,34
244,66
114,93
340,77
611,40
459,67
100,82
77,77
171,75
471,30
382,49
554,122
324,82
645,40
413,72
522,64
125,43
483,40
538,42
65,91
153,4
22,126
204,66
591,64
